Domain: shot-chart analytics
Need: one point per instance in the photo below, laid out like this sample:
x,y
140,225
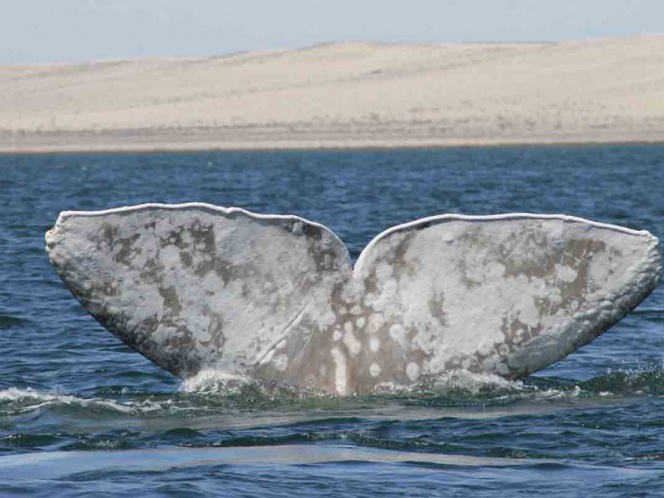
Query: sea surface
x,y
83,415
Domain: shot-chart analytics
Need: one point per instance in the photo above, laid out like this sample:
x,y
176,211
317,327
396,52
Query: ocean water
x,y
81,414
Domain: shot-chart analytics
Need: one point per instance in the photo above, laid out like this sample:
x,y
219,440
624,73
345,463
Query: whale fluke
x,y
195,287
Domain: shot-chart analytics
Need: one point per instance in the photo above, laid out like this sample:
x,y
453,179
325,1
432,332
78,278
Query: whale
x,y
196,287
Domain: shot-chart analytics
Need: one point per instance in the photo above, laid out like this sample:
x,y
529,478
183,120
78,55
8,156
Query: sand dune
x,y
343,95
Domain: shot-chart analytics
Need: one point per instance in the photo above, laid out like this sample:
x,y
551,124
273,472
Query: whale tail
x,y
195,286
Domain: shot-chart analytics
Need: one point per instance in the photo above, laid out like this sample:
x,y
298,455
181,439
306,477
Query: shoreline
x,y
332,146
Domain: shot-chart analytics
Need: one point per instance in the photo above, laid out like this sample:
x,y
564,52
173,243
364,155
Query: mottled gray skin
x,y
195,287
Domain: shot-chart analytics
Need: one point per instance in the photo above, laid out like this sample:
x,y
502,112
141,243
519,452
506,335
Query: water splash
x,y
16,401
645,381
212,391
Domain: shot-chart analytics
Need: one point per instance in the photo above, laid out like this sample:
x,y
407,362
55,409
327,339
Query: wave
x,y
459,385
7,321
648,381
16,401
213,391
458,382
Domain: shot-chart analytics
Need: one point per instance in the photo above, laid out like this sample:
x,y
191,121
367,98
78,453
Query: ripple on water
x,y
76,403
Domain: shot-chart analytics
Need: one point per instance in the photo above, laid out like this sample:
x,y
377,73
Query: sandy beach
x,y
343,95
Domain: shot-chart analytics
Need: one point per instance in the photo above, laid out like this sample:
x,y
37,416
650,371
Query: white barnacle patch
x,y
489,364
478,270
374,344
527,310
384,271
485,347
185,237
337,335
374,370
494,270
340,371
170,257
360,322
163,334
389,290
566,274
354,346
376,321
399,335
202,335
280,362
601,269
328,318
413,371
552,294
326,240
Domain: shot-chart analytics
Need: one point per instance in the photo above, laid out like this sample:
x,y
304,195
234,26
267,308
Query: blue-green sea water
x,y
83,415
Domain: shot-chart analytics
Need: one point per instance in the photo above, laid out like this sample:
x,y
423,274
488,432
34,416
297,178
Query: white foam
x,y
214,381
28,400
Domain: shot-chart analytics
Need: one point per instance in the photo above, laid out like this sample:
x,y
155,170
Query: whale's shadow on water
x,y
202,290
